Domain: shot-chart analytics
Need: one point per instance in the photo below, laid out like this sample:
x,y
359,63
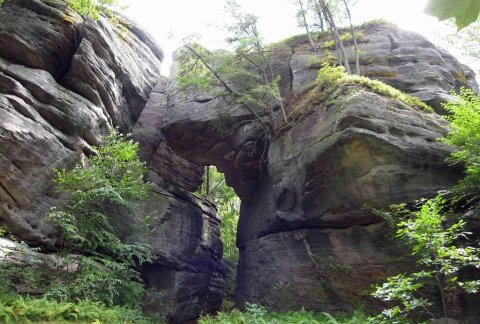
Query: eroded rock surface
x,y
305,236
403,59
64,82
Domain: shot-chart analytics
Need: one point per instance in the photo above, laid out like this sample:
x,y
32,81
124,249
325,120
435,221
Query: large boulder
x,y
307,234
64,82
400,58
57,98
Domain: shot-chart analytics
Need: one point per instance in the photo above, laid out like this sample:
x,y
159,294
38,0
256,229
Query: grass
x,y
333,82
18,309
321,37
258,315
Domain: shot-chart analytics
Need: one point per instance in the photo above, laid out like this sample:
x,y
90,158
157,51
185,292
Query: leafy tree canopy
x,y
465,12
92,8
439,256
465,134
99,192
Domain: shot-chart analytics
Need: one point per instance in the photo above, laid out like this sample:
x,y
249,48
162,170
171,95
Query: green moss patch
x,y
334,84
323,37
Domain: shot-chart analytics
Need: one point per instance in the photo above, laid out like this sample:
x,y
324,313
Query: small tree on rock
x,y
244,78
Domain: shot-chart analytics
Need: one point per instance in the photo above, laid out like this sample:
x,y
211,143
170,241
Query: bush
x,y
465,135
92,8
16,309
440,256
255,314
101,194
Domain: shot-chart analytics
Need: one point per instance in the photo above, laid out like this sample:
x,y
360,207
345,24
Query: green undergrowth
x,y
17,309
333,81
255,314
321,37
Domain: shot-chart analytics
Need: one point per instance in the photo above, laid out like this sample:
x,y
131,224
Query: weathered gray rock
x,y
104,69
202,130
187,276
64,82
153,148
305,236
402,59
39,34
363,150
43,126
49,83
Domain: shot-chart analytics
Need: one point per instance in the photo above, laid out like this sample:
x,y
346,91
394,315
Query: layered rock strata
x,y
64,82
307,234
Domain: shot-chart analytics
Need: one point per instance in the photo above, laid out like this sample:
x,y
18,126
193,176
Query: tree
x,y
439,257
302,18
465,12
354,38
323,9
92,8
465,135
228,205
244,78
98,192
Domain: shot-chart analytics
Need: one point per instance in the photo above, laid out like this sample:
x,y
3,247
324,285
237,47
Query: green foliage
x,y
92,8
244,78
465,135
101,193
228,205
95,268
108,282
18,309
255,314
300,39
439,258
465,12
346,38
332,80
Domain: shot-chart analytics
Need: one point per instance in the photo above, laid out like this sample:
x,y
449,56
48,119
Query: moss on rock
x,y
333,84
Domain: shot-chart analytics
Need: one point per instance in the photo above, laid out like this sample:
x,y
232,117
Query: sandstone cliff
x,y
64,82
305,236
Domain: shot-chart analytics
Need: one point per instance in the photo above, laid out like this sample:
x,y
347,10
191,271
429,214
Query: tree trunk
x,y
207,182
229,90
336,36
354,38
305,24
442,296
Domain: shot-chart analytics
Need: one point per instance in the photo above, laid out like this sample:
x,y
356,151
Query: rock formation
x,y
306,235
64,82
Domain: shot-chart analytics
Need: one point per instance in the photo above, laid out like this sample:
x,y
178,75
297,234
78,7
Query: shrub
x,y
255,314
465,135
440,257
92,8
18,309
100,193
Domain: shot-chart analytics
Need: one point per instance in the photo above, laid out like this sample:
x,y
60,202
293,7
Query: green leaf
x,y
465,12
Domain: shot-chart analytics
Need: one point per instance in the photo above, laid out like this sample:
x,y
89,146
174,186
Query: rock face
x,y
64,82
305,236
399,58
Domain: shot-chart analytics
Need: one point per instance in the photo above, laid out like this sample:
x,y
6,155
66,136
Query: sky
x,y
170,21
